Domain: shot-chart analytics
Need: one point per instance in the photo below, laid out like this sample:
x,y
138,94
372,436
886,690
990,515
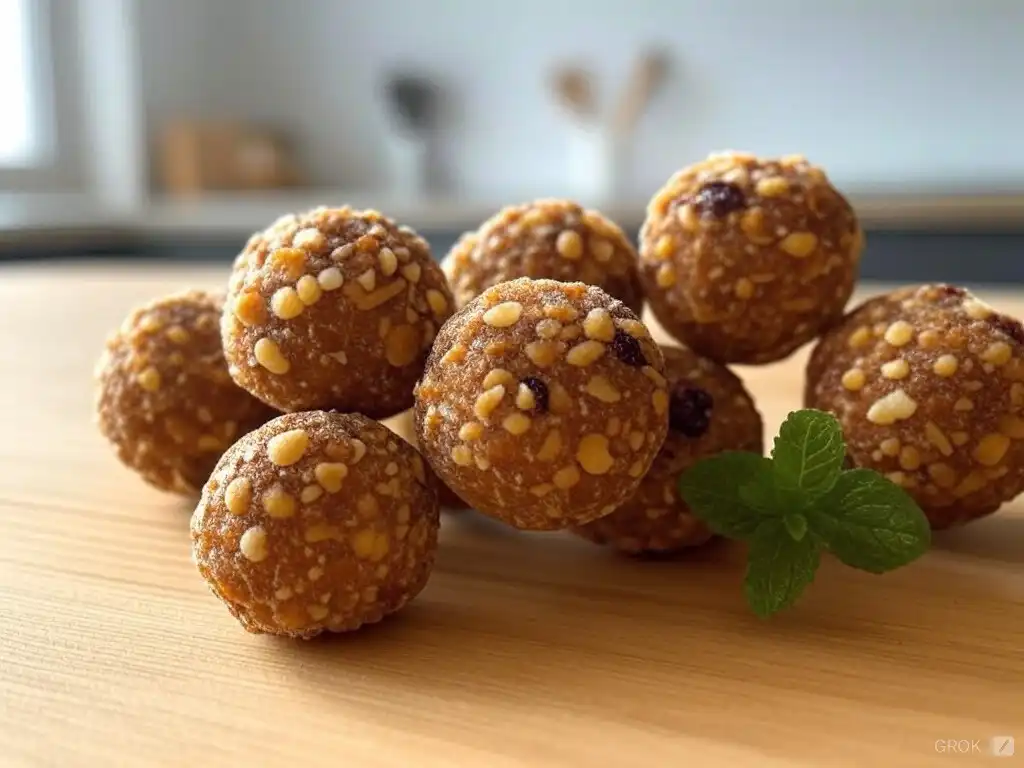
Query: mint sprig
x,y
800,502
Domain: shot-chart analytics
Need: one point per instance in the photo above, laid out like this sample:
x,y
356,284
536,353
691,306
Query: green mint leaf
x,y
808,455
779,567
796,524
870,523
759,492
720,489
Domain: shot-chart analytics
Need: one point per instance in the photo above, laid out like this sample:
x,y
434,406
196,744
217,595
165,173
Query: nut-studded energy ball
x,y
710,411
404,426
334,308
165,400
928,383
543,403
554,239
745,259
316,521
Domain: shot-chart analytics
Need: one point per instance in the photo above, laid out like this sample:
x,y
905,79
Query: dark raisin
x,y
1009,326
628,349
950,291
720,198
540,393
689,410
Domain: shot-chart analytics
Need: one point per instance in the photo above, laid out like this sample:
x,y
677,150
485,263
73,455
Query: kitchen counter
x,y
524,650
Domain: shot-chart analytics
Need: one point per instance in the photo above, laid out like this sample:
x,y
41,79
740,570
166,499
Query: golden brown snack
x,y
928,383
543,403
316,521
554,239
404,426
745,259
334,308
165,400
710,411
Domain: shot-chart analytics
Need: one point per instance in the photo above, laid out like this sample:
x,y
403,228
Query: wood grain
x,y
524,650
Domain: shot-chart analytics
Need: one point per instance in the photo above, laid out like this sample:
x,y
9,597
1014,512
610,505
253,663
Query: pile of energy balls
x,y
526,385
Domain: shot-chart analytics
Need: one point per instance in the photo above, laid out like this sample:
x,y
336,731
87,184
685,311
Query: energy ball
x,y
316,521
543,403
554,239
334,308
404,426
165,400
710,411
745,259
928,383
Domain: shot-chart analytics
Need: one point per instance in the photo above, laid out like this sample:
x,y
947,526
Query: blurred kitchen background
x,y
171,129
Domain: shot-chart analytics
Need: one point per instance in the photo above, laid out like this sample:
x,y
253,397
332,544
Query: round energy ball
x,y
543,403
710,411
316,521
745,259
165,400
334,308
554,239
404,426
928,383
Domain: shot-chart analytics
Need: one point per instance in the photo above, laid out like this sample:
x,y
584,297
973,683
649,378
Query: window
x,y
20,128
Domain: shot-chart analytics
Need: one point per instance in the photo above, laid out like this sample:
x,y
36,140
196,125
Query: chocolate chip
x,y
1009,326
540,393
689,410
720,198
628,349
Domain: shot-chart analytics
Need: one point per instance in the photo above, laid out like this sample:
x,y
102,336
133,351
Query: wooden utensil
x,y
648,74
573,85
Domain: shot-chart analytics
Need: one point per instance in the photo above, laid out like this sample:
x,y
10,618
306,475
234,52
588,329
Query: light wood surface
x,y
524,650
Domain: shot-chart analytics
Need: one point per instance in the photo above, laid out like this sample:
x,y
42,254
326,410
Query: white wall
x,y
903,94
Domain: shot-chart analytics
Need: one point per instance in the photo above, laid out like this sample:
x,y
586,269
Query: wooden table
x,y
524,650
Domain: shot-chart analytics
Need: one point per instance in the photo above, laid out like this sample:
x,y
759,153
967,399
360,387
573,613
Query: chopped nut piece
x,y
593,455
991,449
330,475
268,354
899,333
308,290
253,544
286,304
569,245
853,379
503,315
287,448
602,389
937,438
896,369
278,503
238,496
799,244
893,407
488,401
946,365
149,379
585,353
516,423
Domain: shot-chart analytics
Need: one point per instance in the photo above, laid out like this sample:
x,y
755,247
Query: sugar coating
x,y
165,400
949,428
506,415
554,239
333,308
710,412
745,259
341,537
404,426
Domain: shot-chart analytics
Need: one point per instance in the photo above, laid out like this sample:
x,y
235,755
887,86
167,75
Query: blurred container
x,y
198,156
